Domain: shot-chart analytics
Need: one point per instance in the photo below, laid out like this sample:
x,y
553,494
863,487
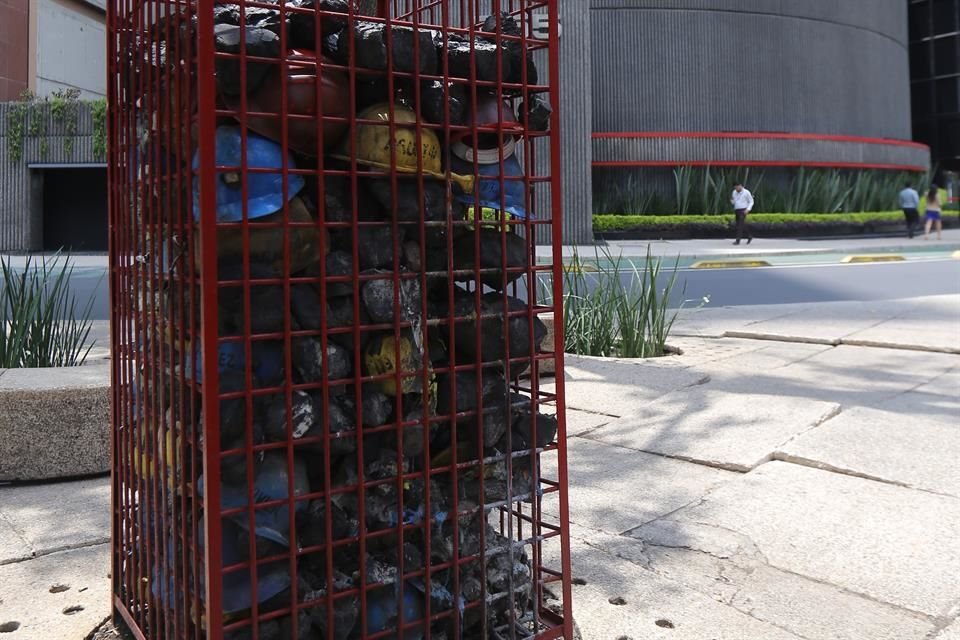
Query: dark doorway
x,y
75,209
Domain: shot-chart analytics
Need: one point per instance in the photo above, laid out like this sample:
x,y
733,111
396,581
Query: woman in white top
x,y
934,212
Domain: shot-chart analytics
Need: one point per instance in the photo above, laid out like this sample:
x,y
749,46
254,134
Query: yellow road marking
x,y
883,257
728,264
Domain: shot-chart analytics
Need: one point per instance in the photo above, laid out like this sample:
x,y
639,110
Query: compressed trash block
x,y
439,106
411,205
512,49
302,30
308,358
304,414
495,397
266,301
305,305
522,427
492,255
311,524
493,339
377,406
370,47
267,242
464,57
378,299
339,263
260,43
535,113
376,246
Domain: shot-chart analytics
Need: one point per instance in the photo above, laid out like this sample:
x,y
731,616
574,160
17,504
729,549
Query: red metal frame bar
x,y
168,568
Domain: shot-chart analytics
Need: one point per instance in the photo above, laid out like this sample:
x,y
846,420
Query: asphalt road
x,y
790,283
819,282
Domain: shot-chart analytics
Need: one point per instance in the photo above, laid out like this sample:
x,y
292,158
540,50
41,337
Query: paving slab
x,y
653,607
892,544
13,546
815,610
617,387
929,322
716,427
932,323
579,422
80,600
914,450
729,568
51,517
615,489
848,375
950,633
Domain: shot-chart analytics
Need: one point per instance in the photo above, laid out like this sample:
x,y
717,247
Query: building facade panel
x,y
740,65
69,36
813,151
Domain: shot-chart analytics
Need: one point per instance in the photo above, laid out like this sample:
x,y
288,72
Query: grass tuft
x,y
41,324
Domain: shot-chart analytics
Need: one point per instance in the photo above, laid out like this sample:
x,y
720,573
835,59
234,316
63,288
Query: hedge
x,y
612,223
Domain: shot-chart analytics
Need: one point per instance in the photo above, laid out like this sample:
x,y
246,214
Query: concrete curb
x,y
61,426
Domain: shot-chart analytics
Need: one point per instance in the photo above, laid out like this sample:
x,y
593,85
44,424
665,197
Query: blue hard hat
x,y
269,484
265,190
272,577
383,609
267,362
513,198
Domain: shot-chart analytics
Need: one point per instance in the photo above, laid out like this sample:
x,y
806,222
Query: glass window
x,y
919,20
948,95
945,56
920,60
945,16
921,99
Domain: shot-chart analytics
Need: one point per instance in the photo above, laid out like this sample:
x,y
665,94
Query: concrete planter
x,y
548,367
55,422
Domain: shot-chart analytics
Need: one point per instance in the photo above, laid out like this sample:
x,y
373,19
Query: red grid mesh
x,y
328,414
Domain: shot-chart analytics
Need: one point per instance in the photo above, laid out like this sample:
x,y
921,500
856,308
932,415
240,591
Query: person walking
x,y
910,203
934,212
742,201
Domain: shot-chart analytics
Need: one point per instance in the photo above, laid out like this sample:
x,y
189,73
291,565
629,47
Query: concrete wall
x,y
71,48
21,188
812,66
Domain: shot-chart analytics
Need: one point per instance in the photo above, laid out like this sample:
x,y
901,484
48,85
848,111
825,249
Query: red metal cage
x,y
328,419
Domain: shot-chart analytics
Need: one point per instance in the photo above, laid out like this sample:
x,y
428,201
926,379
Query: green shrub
x,y
40,322
706,190
609,223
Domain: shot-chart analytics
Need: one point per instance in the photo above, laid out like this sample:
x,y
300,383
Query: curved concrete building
x,y
780,83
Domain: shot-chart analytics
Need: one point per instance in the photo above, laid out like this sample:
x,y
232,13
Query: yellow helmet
x,y
374,146
380,358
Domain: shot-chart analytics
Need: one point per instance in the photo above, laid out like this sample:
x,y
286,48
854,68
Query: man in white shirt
x,y
910,203
742,201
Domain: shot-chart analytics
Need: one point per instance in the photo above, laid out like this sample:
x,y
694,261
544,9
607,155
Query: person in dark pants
x,y
742,201
910,202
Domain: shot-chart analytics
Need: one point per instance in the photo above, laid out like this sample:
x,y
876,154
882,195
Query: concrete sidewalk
x,y
786,483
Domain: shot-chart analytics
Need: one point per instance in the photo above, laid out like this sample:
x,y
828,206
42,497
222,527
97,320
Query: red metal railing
x,y
328,415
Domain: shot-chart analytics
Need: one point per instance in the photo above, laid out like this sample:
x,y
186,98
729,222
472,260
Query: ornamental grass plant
x,y
41,322
615,307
